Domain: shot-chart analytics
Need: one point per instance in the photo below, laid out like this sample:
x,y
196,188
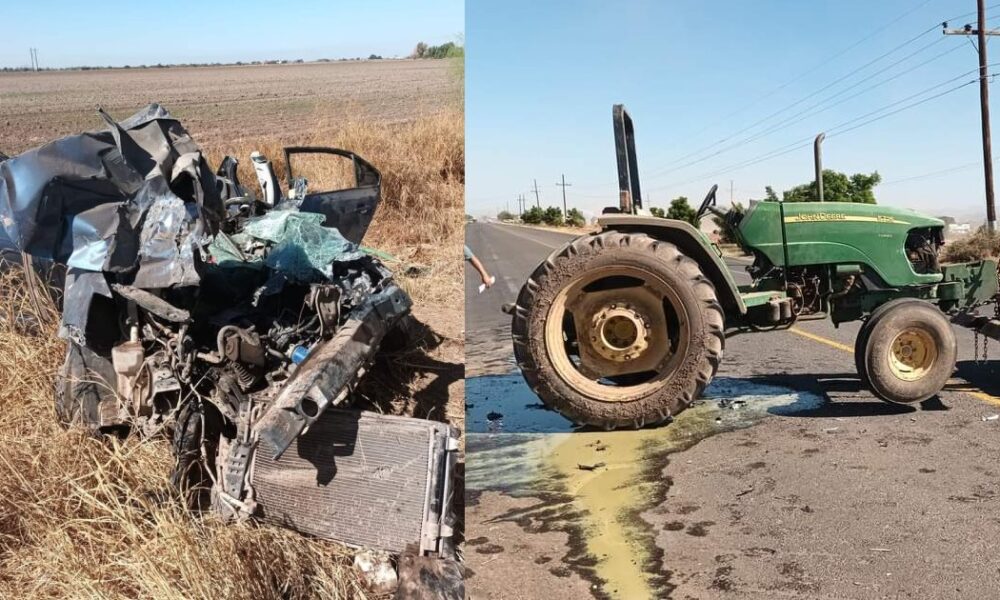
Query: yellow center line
x,y
821,339
965,387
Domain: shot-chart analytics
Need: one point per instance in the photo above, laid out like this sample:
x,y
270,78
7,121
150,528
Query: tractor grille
x,y
360,478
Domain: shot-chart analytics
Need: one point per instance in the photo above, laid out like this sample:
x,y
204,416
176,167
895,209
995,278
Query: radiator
x,y
362,478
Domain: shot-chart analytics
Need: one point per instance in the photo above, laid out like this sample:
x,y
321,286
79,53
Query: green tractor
x,y
626,327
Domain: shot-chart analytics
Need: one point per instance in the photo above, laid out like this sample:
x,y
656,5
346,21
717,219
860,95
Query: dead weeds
x,y
979,245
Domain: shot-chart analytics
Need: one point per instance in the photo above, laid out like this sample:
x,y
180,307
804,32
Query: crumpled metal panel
x,y
134,202
171,231
81,287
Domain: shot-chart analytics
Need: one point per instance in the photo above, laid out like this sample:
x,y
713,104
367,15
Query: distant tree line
x,y
240,63
552,215
422,50
446,50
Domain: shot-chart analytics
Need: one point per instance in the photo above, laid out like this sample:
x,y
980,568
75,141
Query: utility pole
x,y
564,185
730,192
538,202
984,104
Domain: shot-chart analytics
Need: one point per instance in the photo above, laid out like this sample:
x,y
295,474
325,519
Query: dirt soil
x,y
282,102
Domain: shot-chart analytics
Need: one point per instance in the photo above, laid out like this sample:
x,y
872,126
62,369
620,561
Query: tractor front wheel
x,y
861,342
909,353
618,330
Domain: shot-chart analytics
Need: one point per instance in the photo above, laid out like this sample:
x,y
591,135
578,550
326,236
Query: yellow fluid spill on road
x,y
606,493
611,478
605,472
612,495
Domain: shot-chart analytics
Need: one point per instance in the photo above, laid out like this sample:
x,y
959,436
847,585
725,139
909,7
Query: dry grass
x,y
96,518
977,246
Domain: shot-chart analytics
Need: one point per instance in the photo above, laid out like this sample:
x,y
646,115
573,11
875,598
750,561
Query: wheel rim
x,y
616,333
912,354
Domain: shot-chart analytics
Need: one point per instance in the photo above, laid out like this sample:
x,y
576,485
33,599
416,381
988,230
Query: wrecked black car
x,y
237,324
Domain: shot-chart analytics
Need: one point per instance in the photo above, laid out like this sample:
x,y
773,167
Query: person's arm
x,y
483,273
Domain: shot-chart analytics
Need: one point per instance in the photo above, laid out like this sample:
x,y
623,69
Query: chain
x,y
975,348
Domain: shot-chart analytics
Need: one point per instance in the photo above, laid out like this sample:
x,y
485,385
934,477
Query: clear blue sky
x,y
119,32
542,76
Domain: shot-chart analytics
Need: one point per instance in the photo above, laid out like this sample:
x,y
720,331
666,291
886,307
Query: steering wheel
x,y
707,202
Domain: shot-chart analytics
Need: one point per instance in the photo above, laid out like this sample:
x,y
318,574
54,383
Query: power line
x,y
810,110
834,131
821,64
807,97
933,174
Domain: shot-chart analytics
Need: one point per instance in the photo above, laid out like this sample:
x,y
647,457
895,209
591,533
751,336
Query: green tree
x,y
504,215
575,218
419,51
770,196
682,211
553,216
837,187
534,215
656,211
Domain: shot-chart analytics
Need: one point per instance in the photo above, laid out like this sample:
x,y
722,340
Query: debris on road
x,y
991,418
238,326
592,467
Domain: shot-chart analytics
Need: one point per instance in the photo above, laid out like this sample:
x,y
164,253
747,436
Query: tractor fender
x,y
692,243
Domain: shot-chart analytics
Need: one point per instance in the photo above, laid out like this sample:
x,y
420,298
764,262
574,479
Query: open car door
x,y
348,210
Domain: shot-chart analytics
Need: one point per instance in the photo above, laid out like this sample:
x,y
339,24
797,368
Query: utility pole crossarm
x,y
969,31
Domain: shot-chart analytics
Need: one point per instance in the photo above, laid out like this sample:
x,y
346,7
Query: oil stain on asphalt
x,y
595,485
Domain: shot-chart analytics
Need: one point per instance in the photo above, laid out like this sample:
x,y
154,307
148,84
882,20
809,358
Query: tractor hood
x,y
837,233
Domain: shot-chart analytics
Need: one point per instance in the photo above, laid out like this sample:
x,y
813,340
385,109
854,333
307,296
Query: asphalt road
x,y
787,481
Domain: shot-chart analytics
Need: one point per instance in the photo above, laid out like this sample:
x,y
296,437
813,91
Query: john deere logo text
x,y
822,217
826,217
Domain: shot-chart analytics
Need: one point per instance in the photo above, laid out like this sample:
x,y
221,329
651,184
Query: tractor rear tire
x,y
910,352
699,317
861,342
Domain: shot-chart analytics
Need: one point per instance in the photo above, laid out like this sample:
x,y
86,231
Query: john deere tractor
x,y
626,327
